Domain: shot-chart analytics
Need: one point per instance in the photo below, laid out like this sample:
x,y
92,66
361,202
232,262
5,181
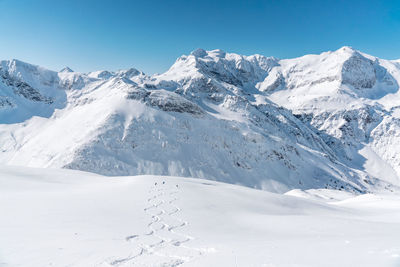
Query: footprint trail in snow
x,y
164,244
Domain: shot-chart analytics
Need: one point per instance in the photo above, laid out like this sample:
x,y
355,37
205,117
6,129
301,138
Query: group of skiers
x,y
155,184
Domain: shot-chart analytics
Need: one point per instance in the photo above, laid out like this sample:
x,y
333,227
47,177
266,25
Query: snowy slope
x,y
213,115
71,218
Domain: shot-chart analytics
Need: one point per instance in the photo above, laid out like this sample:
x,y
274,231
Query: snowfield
x,y
71,218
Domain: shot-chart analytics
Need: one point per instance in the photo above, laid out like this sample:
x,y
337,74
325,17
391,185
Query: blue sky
x,y
89,35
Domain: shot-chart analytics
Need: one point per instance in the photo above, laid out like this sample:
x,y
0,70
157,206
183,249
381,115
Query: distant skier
x,y
176,186
155,183
163,182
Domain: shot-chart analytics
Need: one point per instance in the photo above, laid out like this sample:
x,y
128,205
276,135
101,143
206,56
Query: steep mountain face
x,y
349,99
310,122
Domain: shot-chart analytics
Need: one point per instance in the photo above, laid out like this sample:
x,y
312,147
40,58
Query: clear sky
x,y
89,35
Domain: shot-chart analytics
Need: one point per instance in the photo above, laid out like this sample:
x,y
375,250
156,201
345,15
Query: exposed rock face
x,y
273,82
5,103
358,72
23,89
166,101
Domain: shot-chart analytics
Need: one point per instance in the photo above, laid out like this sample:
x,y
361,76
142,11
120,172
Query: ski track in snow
x,y
167,247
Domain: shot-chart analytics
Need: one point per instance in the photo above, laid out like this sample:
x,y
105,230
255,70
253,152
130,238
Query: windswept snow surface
x,y
72,218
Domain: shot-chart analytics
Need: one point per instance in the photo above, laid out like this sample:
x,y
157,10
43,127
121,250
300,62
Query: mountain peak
x,y
217,53
130,72
66,69
347,50
347,47
199,52
16,63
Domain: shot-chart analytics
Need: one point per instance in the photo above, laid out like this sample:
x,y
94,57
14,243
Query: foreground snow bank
x,y
72,218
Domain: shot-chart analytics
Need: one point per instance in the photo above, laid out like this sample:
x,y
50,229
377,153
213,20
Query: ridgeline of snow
x,y
318,121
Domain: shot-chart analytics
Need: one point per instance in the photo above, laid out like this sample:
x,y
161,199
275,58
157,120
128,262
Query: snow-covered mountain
x,y
318,121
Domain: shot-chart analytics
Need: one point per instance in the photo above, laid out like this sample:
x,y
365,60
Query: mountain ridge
x,y
252,120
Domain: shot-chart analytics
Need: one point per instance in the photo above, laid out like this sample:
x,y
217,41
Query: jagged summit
x,y
101,74
16,62
217,53
347,49
129,73
66,69
199,52
14,66
225,67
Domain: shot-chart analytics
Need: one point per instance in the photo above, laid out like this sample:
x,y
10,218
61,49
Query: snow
x,y
350,98
316,122
144,125
377,166
320,134
72,218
